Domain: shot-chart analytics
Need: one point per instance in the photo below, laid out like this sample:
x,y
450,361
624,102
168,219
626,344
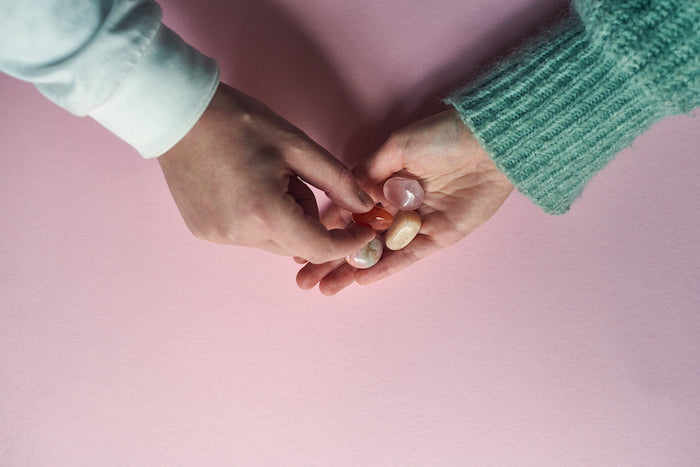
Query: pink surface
x,y
537,341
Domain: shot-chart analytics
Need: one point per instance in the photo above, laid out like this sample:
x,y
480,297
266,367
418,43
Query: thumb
x,y
319,168
381,165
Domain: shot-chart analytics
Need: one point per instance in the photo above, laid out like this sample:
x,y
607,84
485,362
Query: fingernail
x,y
366,199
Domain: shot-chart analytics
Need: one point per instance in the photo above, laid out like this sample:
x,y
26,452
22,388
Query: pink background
x,y
538,340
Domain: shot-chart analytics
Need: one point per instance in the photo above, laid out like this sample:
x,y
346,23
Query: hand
x,y
237,176
463,189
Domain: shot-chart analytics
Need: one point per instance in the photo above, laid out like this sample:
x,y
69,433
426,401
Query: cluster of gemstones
x,y
406,195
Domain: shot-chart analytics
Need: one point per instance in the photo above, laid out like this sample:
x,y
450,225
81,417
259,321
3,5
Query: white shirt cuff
x,y
162,97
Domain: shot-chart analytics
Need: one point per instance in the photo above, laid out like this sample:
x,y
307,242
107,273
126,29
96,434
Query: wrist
x,y
553,114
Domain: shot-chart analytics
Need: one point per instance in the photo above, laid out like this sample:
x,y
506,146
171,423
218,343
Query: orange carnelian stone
x,y
378,218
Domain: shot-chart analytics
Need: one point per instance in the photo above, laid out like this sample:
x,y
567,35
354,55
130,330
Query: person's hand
x,y
463,189
236,178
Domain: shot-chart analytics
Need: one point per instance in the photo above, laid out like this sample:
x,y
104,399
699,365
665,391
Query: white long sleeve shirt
x,y
112,60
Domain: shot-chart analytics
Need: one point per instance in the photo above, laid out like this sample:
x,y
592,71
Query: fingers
x,y
319,168
338,279
334,276
332,218
331,277
336,218
385,162
395,261
305,236
312,274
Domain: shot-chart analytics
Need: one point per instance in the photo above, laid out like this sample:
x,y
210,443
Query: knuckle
x,y
344,181
411,256
223,232
345,177
396,143
295,140
259,221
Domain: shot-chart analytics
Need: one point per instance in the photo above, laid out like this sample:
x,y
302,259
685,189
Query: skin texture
x,y
238,177
463,189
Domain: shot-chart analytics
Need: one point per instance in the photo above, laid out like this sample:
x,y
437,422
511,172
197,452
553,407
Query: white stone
x,y
368,256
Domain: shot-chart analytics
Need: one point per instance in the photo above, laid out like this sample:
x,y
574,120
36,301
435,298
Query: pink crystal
x,y
368,256
404,193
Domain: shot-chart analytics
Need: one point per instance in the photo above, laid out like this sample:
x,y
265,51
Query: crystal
x,y
368,256
378,218
404,229
404,193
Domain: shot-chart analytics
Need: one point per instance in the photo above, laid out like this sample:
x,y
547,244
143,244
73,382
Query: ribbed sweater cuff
x,y
554,113
163,96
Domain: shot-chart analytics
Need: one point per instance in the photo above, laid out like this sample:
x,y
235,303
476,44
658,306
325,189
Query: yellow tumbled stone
x,y
404,229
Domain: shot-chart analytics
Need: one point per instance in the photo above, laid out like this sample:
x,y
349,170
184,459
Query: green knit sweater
x,y
556,111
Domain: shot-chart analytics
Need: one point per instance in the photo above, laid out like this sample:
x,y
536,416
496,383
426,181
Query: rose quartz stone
x,y
404,193
368,256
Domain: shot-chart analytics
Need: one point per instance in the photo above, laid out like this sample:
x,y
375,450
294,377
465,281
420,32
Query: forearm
x,y
112,60
554,113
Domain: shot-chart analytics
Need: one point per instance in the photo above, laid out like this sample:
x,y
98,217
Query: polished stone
x,y
378,218
368,256
404,229
404,193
